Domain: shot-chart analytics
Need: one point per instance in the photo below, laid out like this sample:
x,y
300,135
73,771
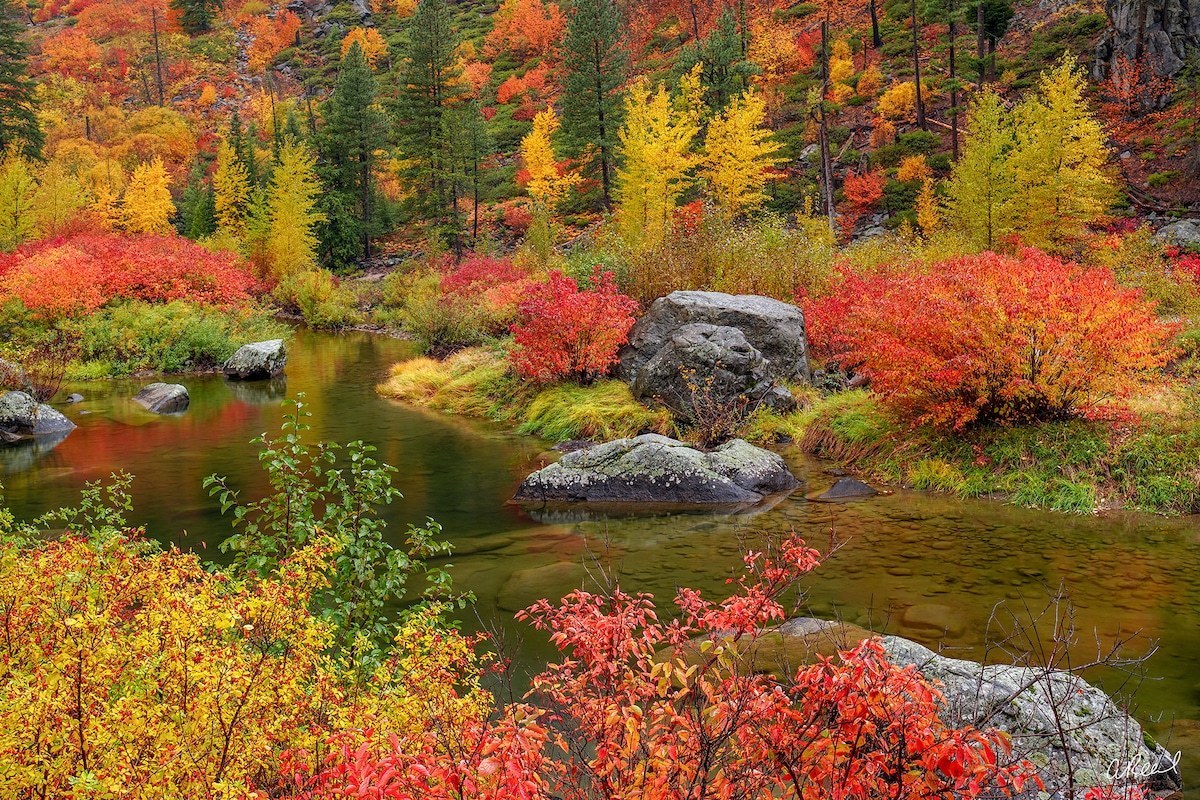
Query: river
x,y
927,567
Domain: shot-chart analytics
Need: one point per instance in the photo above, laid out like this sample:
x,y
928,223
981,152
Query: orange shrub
x,y
991,338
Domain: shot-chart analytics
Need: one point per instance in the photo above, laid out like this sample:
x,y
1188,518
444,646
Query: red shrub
x,y
565,332
68,276
477,273
634,709
992,338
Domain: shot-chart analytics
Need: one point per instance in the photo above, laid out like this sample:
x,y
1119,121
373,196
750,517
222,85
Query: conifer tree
x,y
983,184
147,205
17,186
597,64
291,203
198,207
656,144
469,145
19,126
429,86
354,130
1059,160
738,153
725,72
196,16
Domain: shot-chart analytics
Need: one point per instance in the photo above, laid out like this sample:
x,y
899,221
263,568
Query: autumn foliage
x,y
992,338
75,275
638,707
568,332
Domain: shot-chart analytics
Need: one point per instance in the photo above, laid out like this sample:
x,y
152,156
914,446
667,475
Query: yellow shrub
x,y
899,101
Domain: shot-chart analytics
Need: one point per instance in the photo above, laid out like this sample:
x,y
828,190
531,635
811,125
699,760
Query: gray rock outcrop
x,y
23,417
653,469
257,361
163,398
1163,33
718,349
1184,233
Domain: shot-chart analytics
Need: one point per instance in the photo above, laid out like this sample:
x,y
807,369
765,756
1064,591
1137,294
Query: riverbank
x,y
1077,466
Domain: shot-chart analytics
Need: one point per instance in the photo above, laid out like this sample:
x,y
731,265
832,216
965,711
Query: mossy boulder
x,y
23,417
257,361
653,469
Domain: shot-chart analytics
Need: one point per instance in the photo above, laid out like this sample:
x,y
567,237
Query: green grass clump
x,y
605,410
477,383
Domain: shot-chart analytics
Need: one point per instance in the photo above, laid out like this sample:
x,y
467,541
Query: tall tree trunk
x,y
979,39
605,177
695,22
916,52
953,83
876,39
157,54
823,130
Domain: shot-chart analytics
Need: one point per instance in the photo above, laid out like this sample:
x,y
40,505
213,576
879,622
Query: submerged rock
x,y
655,469
845,489
23,417
163,398
257,361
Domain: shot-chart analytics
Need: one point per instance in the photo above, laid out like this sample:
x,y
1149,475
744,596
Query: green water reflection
x,y
927,567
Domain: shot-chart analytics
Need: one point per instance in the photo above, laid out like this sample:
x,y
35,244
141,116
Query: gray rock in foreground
x,y
655,469
163,398
257,361
1100,738
1101,741
23,417
774,329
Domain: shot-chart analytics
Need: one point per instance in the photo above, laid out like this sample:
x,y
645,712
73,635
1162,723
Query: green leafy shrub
x,y
319,298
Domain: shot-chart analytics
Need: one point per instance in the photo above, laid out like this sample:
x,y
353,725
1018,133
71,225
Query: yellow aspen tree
x,y
59,198
17,187
147,205
231,192
738,154
982,182
547,185
656,142
1059,161
372,43
291,208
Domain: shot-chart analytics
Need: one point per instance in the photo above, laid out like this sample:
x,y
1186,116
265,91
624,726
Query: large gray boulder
x,y
1092,739
1071,731
163,398
703,368
257,361
23,417
1184,233
1162,33
657,470
773,328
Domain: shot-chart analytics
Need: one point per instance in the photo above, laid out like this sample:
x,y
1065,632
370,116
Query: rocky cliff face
x,y
1162,33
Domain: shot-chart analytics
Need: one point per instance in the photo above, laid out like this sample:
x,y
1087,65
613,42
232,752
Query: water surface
x,y
927,567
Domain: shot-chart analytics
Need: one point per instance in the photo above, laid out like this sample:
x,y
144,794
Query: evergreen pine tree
x,y
592,109
354,129
198,207
725,71
196,16
18,119
469,144
428,88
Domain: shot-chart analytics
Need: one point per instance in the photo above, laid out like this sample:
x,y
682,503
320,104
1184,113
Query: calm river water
x,y
926,567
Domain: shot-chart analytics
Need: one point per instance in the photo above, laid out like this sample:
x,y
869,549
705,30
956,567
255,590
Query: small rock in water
x,y
163,398
845,489
72,399
257,361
